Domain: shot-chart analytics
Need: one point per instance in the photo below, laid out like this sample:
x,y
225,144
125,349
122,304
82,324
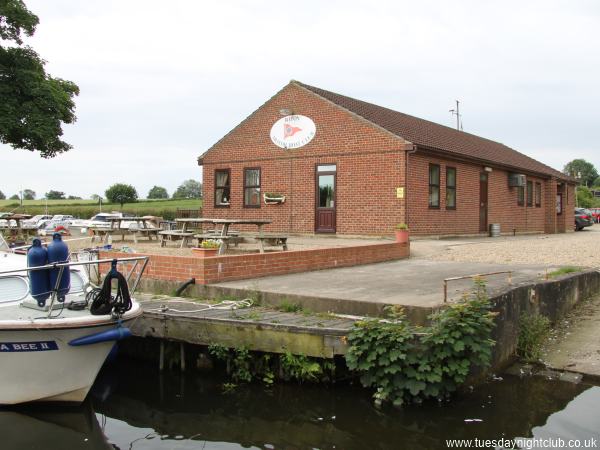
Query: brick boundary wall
x,y
255,265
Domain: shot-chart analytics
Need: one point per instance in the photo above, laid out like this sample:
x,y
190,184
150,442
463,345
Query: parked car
x,y
583,218
596,214
62,217
35,221
4,222
102,220
48,227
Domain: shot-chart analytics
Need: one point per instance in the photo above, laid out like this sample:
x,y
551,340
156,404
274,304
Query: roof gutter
x,y
444,153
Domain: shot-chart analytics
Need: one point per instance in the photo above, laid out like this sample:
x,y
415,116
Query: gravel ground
x,y
574,249
77,242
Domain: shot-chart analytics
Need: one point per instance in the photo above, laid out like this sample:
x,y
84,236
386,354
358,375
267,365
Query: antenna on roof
x,y
456,112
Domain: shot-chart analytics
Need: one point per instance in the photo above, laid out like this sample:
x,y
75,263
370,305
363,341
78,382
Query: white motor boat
x,y
35,221
53,351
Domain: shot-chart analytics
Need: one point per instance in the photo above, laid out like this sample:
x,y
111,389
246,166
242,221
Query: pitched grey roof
x,y
438,137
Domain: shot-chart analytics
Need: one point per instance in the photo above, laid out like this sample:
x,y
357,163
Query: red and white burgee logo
x,y
293,131
289,130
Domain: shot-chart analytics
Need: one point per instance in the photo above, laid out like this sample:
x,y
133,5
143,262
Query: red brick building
x,y
350,167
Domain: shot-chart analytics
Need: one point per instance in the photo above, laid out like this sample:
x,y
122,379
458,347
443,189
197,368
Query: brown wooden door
x,y
325,199
483,202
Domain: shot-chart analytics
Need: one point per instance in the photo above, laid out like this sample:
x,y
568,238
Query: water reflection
x,y
136,408
578,421
51,427
191,412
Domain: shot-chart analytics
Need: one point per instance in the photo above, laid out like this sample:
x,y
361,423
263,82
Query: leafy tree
x,y
596,183
158,192
585,199
33,104
28,194
121,193
2,196
14,197
73,197
582,170
189,189
55,195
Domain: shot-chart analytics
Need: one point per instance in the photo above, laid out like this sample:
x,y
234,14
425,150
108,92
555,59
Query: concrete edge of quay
x,y
551,298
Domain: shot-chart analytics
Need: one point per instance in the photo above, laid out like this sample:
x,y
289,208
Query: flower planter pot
x,y
204,252
402,236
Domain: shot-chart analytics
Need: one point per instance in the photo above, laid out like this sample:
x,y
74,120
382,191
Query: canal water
x,y
133,407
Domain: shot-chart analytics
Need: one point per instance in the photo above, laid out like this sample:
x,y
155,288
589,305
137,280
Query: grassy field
x,y
87,208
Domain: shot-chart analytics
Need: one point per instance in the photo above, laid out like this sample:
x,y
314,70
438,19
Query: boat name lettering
x,y
42,346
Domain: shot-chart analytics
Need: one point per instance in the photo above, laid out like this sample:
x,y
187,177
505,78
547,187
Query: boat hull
x,y
38,364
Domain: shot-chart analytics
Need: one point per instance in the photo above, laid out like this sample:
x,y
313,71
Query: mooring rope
x,y
225,304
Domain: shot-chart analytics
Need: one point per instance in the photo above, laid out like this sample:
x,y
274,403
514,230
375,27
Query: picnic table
x,y
224,235
138,227
175,235
13,231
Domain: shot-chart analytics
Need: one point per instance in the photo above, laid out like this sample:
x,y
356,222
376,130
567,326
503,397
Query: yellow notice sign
x,y
399,192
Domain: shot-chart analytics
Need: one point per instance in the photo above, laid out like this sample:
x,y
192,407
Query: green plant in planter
x,y
210,243
273,195
402,227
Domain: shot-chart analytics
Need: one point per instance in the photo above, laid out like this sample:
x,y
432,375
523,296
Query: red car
x,y
595,214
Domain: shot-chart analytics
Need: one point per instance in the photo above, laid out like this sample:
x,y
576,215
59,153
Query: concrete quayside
x,y
314,330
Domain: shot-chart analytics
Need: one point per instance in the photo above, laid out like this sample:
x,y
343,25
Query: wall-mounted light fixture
x,y
286,112
487,169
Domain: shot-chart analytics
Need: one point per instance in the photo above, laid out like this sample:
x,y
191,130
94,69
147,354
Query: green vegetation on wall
x,y
534,329
244,366
404,363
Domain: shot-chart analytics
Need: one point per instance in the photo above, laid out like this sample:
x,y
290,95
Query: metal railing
x,y
61,266
479,275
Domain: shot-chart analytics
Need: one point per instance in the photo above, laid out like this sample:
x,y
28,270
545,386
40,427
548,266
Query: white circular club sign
x,y
293,131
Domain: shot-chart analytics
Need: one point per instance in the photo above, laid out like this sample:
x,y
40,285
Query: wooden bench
x,y
273,240
103,234
144,232
216,232
174,235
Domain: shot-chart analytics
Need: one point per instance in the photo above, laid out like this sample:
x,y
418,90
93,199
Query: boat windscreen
x,y
3,245
13,288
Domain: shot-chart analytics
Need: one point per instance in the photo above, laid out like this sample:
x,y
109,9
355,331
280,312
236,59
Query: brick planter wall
x,y
238,267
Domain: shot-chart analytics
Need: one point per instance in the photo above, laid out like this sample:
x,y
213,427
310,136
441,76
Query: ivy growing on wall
x,y
405,363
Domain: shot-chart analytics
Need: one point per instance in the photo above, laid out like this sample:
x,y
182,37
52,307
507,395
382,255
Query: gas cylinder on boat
x,y
39,280
58,252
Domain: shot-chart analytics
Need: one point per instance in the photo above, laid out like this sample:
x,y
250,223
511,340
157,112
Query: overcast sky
x,y
163,81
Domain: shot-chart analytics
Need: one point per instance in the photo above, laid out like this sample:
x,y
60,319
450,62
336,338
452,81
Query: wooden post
x,y
182,356
161,358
